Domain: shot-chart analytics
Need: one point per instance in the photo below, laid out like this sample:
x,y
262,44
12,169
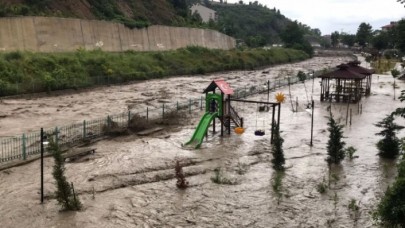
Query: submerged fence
x,y
23,146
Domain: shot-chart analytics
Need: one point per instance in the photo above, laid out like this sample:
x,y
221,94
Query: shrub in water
x,y
335,146
64,193
389,146
181,183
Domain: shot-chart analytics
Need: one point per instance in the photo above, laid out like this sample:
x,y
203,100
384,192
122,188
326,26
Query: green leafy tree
x,y
293,37
391,208
277,151
395,73
335,147
64,192
348,39
364,34
399,34
335,38
388,147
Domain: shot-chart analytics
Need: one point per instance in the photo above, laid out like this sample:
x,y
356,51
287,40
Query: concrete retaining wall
x,y
49,34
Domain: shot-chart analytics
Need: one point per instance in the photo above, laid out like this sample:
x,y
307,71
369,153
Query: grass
x,y
26,72
383,65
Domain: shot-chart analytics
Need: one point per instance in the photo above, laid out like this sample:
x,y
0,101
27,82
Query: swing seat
x,y
259,133
239,130
264,108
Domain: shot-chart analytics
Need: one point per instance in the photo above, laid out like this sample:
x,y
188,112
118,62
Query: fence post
x,y
163,110
108,121
147,113
129,117
57,136
189,106
201,103
177,105
24,147
84,129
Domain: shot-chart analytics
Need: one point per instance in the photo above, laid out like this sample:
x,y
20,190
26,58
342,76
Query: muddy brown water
x,y
129,181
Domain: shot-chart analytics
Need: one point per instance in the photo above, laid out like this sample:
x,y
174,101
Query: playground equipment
x,y
218,106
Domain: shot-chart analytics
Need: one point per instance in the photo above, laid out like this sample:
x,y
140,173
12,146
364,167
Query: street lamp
x,y
43,142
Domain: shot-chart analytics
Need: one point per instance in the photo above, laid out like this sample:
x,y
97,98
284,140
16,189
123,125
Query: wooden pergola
x,y
355,66
346,84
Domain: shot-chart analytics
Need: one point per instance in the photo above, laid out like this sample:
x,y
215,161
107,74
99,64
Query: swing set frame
x,y
274,105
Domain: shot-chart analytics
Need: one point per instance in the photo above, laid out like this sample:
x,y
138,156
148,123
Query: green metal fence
x,y
23,146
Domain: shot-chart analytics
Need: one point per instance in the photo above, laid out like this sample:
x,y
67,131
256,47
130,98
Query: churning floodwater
x,y
129,181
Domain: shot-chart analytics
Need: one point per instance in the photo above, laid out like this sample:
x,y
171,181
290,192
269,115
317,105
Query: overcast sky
x,y
337,15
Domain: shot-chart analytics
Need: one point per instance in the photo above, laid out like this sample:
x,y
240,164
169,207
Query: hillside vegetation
x,y
253,24
37,72
133,13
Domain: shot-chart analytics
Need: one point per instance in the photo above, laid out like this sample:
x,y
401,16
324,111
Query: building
x,y
390,26
206,14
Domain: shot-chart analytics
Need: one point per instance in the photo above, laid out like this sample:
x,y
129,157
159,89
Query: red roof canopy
x,y
222,85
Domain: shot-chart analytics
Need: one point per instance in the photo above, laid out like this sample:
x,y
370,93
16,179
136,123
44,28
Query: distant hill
x,y
255,24
133,13
252,23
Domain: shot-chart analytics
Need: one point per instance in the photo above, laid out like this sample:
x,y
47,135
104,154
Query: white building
x,y
205,13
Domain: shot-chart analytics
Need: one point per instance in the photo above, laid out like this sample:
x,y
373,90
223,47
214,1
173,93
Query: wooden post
x,y
42,165
147,114
84,129
268,90
272,124
347,110
24,147
350,117
312,122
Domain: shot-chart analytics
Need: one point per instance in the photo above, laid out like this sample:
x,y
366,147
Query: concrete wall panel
x,y
47,34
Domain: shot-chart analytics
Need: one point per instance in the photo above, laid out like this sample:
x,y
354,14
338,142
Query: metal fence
x,y
23,146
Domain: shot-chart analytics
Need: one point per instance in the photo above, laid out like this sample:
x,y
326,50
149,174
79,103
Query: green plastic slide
x,y
201,129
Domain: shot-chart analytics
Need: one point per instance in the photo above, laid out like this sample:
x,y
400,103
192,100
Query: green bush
x,y
335,147
390,211
25,72
389,146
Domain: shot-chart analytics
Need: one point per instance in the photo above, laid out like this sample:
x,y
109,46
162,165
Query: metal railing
x,y
23,146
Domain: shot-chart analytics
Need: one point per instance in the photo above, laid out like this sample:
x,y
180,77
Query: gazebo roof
x,y
355,66
222,85
344,71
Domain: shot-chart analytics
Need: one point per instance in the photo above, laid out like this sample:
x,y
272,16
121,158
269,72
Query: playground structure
x,y
218,106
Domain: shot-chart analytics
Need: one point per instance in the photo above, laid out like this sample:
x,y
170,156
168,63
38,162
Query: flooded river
x,y
129,181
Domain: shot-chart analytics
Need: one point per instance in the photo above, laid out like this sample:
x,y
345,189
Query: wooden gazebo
x,y
346,84
355,66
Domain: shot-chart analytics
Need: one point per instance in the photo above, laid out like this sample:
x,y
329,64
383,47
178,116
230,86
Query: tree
x,y
388,147
381,41
348,39
277,151
335,38
293,37
364,34
399,34
395,73
335,147
64,192
390,210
